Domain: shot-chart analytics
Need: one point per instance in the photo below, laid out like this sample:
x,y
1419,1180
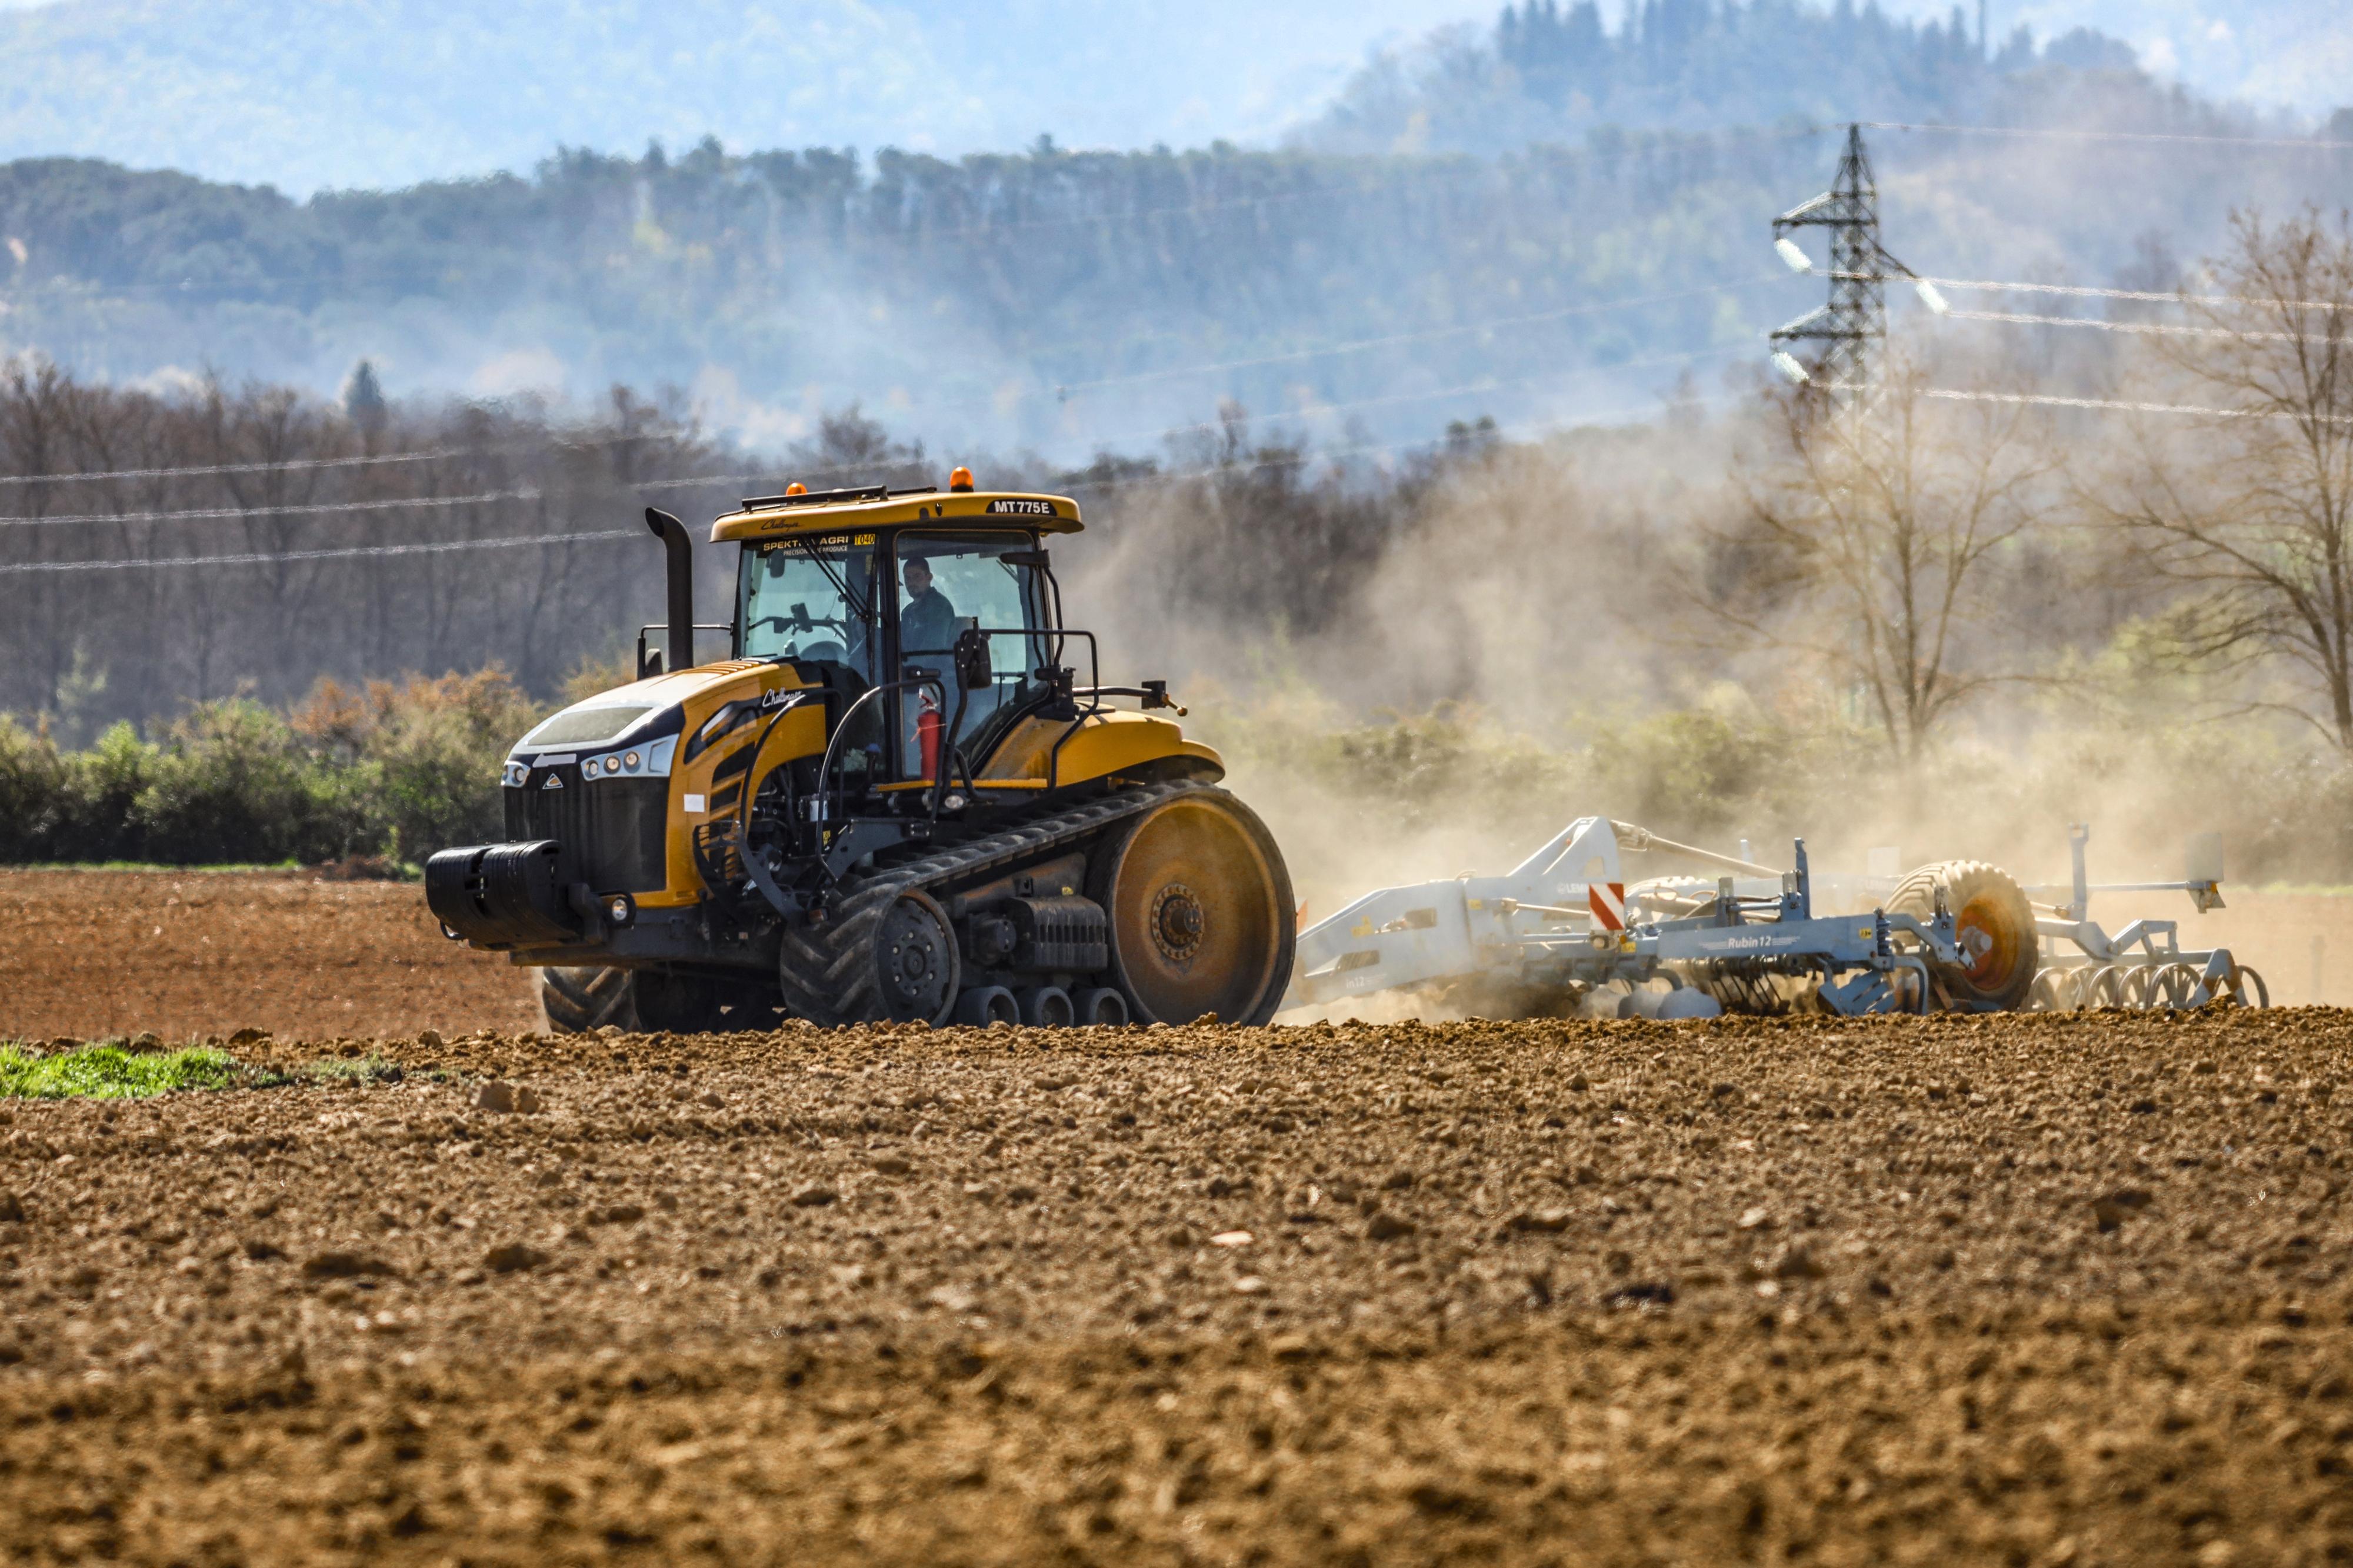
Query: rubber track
x,y
827,972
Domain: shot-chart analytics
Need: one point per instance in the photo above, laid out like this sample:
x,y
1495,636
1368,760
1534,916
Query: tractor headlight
x,y
514,776
621,908
630,761
588,769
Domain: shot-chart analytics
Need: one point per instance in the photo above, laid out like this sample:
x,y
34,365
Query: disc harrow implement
x,y
1568,931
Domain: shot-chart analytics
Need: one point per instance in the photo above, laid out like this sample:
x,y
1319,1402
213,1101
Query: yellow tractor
x,y
898,799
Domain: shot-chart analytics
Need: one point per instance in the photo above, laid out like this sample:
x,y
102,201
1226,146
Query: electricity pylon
x,y
1853,326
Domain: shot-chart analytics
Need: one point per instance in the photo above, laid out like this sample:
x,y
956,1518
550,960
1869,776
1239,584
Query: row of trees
x,y
157,546
1690,54
1384,270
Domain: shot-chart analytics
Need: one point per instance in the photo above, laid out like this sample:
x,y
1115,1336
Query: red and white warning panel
x,y
1609,901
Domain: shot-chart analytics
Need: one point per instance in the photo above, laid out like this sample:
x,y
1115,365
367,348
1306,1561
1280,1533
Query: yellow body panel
x,y
984,509
703,691
1104,744
1100,746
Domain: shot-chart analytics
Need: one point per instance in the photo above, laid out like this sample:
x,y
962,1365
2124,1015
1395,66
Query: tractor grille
x,y
611,830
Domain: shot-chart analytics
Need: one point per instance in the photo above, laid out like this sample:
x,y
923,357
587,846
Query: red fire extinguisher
x,y
927,735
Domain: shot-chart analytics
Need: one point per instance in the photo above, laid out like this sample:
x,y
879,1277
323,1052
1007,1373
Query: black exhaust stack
x,y
672,533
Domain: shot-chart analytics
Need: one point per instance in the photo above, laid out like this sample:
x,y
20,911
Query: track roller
x,y
1099,1006
985,1004
1046,1008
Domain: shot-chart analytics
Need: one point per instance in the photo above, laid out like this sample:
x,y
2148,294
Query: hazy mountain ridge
x,y
1556,70
1073,300
384,93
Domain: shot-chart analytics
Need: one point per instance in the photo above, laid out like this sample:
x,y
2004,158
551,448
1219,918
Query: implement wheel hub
x,y
1989,946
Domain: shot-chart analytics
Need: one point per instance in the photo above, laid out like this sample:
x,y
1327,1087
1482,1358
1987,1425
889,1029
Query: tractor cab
x,y
942,609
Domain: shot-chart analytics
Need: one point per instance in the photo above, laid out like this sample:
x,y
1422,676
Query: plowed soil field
x,y
2021,1291
2032,1291
85,955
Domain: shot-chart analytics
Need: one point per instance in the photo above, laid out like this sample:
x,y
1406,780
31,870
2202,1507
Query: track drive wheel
x,y
2000,953
897,963
1200,912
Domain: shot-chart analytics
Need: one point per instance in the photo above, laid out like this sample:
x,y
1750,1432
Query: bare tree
x,y
1871,548
2252,512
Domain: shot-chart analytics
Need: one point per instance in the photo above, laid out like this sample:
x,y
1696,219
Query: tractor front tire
x,y
579,1001
1999,951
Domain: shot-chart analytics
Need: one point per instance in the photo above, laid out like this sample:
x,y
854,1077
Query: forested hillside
x,y
1550,70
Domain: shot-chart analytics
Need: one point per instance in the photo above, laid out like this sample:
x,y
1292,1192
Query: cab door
x,y
945,583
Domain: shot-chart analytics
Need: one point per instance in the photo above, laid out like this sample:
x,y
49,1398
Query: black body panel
x,y
611,828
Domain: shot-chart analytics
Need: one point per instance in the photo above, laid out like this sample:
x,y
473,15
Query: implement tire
x,y
1995,924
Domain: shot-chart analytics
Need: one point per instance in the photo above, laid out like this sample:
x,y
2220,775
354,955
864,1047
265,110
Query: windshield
x,y
811,599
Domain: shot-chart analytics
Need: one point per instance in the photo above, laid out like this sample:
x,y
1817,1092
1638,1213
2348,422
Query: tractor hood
x,y
649,712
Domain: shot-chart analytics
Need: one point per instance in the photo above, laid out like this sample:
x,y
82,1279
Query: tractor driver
x,y
927,621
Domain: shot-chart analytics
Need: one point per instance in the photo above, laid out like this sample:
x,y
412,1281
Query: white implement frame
x,y
1571,894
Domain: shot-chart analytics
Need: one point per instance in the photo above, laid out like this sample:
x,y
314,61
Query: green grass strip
x,y
110,1072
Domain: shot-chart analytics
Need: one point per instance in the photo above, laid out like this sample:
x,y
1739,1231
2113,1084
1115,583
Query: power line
x,y
200,514
2159,329
1465,390
1369,448
291,465
765,476
2302,144
2083,291
265,558
2113,406
258,558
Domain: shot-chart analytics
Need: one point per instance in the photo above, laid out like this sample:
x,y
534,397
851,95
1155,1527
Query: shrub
x,y
430,751
33,784
99,820
233,782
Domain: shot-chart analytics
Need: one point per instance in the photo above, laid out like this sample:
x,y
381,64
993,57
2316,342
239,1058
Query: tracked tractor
x,y
906,795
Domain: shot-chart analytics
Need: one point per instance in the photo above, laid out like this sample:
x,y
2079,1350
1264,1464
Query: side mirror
x,y
974,671
649,659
